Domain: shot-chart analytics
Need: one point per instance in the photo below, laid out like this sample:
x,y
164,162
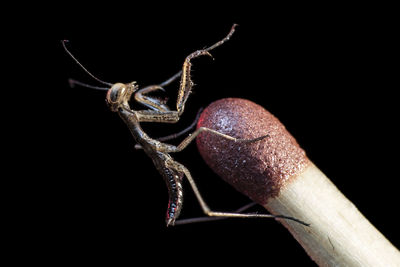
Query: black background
x,y
325,71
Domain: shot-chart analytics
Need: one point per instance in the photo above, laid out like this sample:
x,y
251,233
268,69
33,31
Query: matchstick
x,y
277,174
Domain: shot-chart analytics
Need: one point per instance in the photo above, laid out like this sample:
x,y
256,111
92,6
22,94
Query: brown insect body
x,y
172,171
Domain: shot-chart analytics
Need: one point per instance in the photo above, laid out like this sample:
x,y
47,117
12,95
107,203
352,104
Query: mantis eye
x,y
116,91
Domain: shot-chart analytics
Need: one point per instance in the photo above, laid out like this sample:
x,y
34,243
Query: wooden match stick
x,y
277,174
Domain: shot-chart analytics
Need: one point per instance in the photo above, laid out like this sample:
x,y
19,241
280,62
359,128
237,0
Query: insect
x,y
172,171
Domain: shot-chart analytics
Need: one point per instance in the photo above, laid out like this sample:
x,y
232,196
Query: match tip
x,y
260,169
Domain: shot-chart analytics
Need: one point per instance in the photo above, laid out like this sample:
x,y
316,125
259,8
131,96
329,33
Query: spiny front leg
x,y
153,103
186,82
166,116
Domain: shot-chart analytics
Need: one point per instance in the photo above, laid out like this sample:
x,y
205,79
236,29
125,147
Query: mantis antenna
x,y
72,82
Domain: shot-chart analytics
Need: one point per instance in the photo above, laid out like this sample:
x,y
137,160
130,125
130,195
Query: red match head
x,y
259,169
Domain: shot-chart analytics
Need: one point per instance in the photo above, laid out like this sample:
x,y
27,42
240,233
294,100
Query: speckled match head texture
x,y
260,169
